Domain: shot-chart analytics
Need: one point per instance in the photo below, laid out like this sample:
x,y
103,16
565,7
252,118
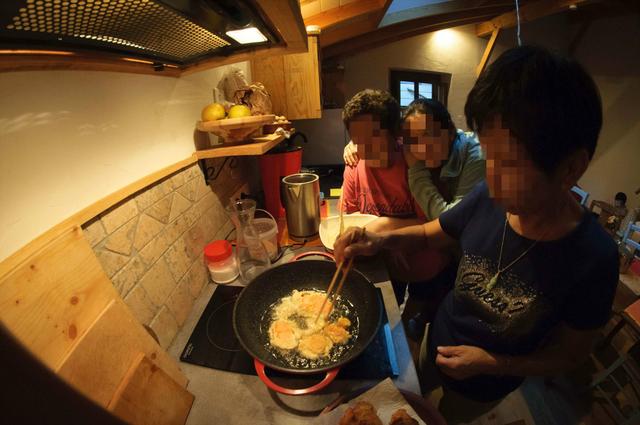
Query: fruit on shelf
x,y
213,112
239,111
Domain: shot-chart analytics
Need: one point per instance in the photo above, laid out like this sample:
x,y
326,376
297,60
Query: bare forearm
x,y
416,237
388,224
404,238
357,241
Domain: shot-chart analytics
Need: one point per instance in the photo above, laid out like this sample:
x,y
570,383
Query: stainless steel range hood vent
x,y
167,31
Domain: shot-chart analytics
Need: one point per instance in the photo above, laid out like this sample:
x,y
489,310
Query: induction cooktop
x,y
213,344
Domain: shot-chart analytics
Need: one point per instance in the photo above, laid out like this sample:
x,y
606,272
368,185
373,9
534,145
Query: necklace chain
x,y
496,276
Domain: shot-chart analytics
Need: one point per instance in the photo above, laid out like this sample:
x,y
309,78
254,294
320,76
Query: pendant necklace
x,y
496,276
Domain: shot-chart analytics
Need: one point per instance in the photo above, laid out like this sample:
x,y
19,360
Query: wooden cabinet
x,y
293,82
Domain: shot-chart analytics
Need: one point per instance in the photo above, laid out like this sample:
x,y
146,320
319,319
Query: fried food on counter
x,y
362,413
401,417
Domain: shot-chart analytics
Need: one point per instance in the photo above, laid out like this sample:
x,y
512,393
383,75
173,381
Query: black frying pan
x,y
269,287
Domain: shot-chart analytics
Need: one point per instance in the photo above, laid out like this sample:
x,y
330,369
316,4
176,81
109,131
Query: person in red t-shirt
x,y
378,184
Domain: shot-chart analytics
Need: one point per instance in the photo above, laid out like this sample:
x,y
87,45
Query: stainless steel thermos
x,y
300,194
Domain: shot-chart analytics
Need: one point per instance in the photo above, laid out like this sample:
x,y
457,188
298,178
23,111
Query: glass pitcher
x,y
251,255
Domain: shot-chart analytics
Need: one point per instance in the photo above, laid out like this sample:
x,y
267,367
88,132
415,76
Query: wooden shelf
x,y
257,146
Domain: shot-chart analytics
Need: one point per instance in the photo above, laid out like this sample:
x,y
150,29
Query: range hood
x,y
164,32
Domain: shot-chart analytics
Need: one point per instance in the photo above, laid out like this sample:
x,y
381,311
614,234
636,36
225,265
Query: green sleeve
x,y
426,193
473,172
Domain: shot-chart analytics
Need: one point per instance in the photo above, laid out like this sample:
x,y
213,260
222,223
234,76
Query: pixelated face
x,y
426,139
372,142
513,179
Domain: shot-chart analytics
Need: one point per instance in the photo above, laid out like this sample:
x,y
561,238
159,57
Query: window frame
x,y
439,83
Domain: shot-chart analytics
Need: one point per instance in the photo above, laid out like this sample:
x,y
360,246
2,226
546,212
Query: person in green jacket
x,y
444,163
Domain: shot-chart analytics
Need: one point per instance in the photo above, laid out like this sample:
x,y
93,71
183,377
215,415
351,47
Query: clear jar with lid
x,y
221,261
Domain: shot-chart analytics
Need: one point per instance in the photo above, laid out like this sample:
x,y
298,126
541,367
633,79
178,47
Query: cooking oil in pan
x,y
292,358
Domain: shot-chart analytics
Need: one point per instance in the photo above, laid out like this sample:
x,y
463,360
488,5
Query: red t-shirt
x,y
385,192
378,191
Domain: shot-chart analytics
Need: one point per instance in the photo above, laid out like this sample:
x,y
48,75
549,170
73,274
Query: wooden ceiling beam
x,y
528,12
487,51
354,28
399,31
350,20
339,14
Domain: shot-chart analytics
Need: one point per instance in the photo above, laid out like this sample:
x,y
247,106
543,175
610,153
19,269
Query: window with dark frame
x,y
407,86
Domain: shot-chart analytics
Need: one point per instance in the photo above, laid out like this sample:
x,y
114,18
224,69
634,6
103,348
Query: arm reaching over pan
x,y
355,241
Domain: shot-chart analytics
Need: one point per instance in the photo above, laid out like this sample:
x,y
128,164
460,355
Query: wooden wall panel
x,y
100,361
148,396
50,299
302,75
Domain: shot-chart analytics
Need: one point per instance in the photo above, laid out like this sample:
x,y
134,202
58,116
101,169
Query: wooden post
x,y
487,51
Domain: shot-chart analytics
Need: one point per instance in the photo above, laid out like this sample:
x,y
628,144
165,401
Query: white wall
x,y
70,138
456,51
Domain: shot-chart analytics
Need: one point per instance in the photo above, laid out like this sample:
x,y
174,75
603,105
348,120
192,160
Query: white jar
x,y
221,261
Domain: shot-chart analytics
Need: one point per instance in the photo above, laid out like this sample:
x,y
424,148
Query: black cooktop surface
x,y
213,344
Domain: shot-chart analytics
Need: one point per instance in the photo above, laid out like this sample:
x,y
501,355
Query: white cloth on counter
x,y
384,397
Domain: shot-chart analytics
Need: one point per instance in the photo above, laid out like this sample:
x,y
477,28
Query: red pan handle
x,y
329,377
310,253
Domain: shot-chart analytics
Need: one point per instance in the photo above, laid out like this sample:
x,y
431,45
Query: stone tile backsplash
x,y
150,245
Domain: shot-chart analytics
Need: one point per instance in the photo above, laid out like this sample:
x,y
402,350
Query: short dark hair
x,y
378,103
621,196
550,103
431,107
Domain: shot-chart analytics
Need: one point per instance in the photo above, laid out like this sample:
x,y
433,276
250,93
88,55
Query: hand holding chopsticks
x,y
332,296
356,242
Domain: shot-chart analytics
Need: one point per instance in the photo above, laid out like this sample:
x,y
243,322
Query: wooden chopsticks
x,y
334,295
341,229
345,272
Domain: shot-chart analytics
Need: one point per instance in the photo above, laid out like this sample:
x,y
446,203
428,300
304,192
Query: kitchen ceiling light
x,y
247,35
